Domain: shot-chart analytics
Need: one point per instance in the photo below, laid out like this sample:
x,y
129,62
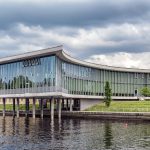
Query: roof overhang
x,y
70,59
40,53
58,51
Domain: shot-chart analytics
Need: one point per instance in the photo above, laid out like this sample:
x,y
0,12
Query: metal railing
x,y
34,90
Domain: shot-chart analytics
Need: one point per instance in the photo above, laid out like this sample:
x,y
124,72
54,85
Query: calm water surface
x,y
72,134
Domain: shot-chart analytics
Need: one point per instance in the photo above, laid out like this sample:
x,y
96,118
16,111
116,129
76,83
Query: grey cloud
x,y
79,42
86,14
106,26
96,50
122,59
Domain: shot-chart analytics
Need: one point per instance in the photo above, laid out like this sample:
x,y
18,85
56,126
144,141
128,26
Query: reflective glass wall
x,y
50,74
83,80
30,75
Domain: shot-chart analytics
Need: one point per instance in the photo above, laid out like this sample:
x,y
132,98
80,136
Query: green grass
x,y
21,107
122,106
116,106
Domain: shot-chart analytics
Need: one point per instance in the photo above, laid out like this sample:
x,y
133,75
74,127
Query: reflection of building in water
x,y
54,75
108,137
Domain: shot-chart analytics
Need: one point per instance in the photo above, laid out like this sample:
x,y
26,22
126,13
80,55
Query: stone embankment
x,y
92,115
109,115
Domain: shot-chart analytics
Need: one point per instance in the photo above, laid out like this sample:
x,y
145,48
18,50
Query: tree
x,y
145,91
108,94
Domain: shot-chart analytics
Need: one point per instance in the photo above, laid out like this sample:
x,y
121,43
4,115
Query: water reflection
x,y
13,126
3,125
28,133
26,123
108,135
17,126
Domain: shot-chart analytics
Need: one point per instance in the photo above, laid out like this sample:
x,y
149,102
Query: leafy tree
x,y
145,91
108,94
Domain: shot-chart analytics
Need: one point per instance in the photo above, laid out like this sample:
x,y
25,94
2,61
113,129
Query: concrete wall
x,y
86,103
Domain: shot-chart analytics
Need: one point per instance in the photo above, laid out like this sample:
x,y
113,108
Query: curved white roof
x,y
58,51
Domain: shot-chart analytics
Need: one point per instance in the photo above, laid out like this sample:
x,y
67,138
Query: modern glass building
x,y
53,73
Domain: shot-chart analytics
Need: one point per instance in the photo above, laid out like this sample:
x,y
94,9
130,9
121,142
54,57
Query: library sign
x,y
31,62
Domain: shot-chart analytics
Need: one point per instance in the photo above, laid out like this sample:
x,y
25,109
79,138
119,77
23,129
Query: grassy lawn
x,y
123,106
21,107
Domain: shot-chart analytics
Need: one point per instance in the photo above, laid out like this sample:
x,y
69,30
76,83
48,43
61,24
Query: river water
x,y
72,134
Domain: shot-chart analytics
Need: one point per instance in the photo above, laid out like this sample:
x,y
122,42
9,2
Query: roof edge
x,y
28,55
58,50
99,66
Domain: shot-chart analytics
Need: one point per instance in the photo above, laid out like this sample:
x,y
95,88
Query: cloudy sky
x,y
110,32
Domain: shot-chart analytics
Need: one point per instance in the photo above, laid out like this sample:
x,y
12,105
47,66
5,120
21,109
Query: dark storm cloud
x,y
84,27
67,13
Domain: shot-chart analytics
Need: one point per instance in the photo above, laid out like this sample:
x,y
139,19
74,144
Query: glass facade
x,y
83,80
31,75
50,74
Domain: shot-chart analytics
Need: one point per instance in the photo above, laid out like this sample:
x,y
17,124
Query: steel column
x,y
17,108
33,108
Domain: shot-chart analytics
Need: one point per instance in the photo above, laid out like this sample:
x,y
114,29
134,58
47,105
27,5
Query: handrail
x,y
34,90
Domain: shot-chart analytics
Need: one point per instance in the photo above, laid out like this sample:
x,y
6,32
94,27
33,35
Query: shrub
x,y
145,91
108,94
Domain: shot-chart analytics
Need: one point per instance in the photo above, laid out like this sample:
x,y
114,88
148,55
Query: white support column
x,y
59,108
41,108
4,106
71,101
33,107
52,108
17,108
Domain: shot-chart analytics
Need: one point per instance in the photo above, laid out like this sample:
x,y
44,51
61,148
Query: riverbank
x,y
144,116
122,106
131,110
9,107
109,115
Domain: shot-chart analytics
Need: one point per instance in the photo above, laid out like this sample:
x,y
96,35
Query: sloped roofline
x,y
58,51
29,55
105,67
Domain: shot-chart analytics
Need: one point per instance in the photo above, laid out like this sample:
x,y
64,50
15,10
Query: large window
x,y
28,75
83,80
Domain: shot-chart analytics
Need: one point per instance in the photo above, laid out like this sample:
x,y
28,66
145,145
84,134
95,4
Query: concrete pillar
x,y
50,104
27,107
62,104
44,103
41,108
71,102
13,107
4,106
17,108
67,104
33,108
59,108
52,108
39,100
57,104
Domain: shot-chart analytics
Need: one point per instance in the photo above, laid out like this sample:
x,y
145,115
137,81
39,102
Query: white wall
x,y
86,103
